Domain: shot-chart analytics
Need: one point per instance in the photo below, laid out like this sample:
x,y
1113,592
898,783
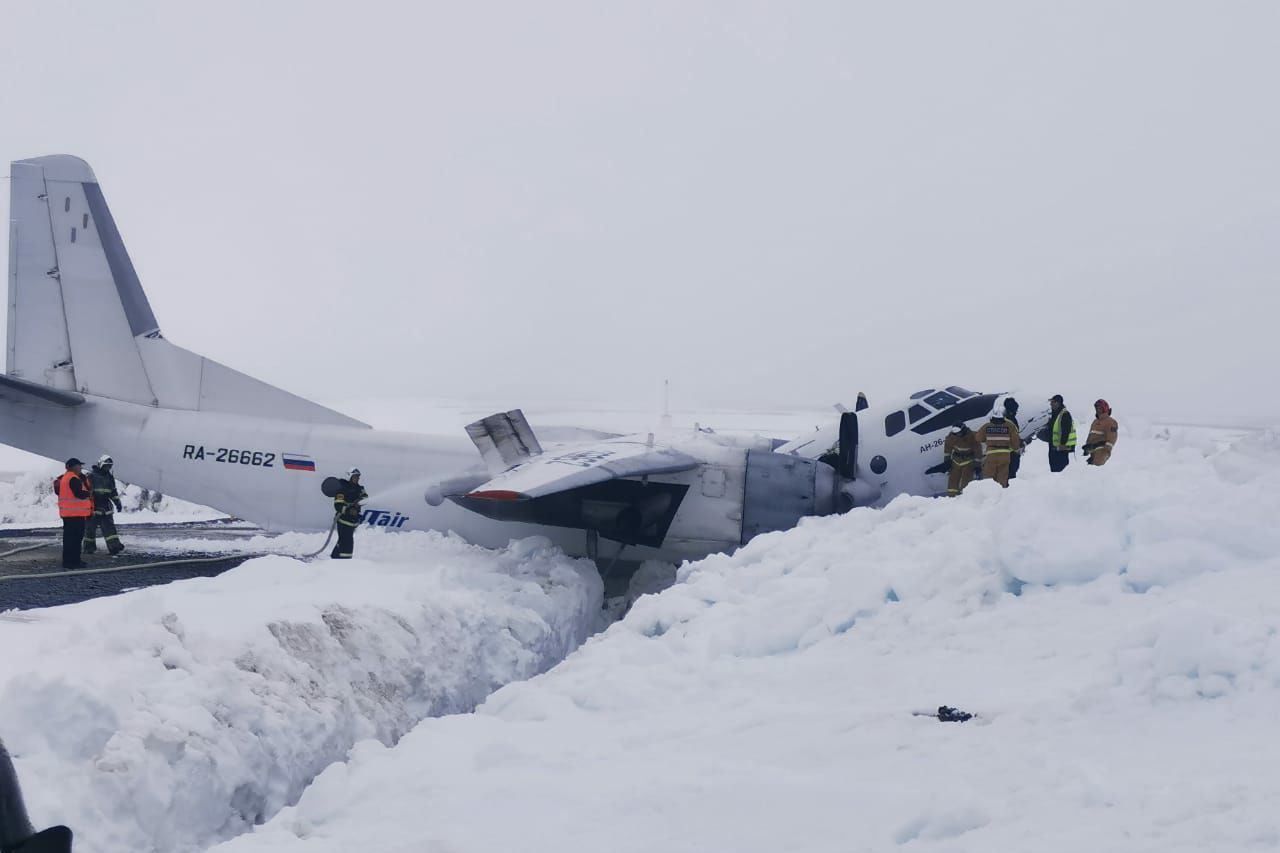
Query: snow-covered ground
x,y
27,500
172,717
1115,629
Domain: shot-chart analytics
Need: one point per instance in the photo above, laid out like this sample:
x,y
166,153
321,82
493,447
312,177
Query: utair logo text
x,y
383,518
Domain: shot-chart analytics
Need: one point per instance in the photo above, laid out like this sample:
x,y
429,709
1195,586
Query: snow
x,y
27,500
175,716
1114,630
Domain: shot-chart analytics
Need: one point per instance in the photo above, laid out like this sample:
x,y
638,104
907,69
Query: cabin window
x,y
961,392
84,223
66,205
918,413
894,423
925,393
73,233
941,400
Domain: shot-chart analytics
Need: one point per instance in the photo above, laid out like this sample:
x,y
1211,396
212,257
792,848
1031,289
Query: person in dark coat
x,y
1060,434
346,509
1011,415
106,502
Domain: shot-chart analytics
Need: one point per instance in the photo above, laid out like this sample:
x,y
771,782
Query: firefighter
x,y
1060,435
106,503
346,510
1000,440
75,505
1102,434
961,452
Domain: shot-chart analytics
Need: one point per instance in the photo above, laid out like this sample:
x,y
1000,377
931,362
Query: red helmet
x,y
1103,405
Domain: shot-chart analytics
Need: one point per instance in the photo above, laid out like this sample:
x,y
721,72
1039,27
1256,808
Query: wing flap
x,y
573,468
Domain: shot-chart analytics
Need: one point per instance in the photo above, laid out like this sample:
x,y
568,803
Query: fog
x,y
768,204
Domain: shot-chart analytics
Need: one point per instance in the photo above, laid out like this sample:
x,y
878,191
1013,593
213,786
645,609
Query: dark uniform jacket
x,y
346,503
961,448
104,490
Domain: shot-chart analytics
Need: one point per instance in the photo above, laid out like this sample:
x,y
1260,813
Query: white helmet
x,y
354,472
998,411
104,460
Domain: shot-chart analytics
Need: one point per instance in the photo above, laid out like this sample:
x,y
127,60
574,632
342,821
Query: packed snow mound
x,y
172,717
1113,629
28,501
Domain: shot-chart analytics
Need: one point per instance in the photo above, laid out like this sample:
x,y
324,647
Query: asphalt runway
x,y
24,593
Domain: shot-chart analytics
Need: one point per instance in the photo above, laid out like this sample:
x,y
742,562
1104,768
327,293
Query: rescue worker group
x,y
995,450
87,503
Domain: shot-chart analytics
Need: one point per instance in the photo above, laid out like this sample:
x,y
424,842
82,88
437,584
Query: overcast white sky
x,y
767,203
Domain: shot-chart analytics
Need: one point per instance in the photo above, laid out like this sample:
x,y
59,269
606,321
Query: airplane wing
x,y
579,466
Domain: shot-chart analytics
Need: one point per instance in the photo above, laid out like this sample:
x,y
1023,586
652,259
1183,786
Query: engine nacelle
x,y
781,489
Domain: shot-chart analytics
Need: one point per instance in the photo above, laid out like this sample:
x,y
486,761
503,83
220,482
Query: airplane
x,y
88,370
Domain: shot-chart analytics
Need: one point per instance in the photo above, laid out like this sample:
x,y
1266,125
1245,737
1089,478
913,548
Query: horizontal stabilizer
x,y
16,390
583,466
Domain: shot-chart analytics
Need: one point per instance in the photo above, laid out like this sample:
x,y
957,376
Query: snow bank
x,y
172,717
28,501
1114,628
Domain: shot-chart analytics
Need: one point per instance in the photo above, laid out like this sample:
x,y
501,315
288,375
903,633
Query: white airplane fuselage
x,y
237,464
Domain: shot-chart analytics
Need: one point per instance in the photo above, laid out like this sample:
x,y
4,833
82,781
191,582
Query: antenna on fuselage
x,y
666,404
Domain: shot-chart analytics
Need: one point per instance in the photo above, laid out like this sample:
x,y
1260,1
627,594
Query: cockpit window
x,y
961,392
894,423
940,400
918,413
925,393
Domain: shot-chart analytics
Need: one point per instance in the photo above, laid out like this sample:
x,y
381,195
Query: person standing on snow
x,y
106,503
1000,440
75,505
1060,435
1011,415
1102,434
961,453
346,509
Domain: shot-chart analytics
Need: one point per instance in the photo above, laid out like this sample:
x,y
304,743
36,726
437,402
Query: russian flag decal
x,y
298,462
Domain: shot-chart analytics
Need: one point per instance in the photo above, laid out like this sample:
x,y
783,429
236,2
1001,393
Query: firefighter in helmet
x,y
960,452
346,510
106,503
1000,440
1102,434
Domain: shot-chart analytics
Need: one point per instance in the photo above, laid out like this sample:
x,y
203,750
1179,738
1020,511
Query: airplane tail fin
x,y
80,322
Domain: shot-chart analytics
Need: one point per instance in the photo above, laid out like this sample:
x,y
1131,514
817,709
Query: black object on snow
x,y
952,715
16,832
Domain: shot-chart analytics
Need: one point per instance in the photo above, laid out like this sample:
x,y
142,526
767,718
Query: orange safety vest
x,y
70,506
